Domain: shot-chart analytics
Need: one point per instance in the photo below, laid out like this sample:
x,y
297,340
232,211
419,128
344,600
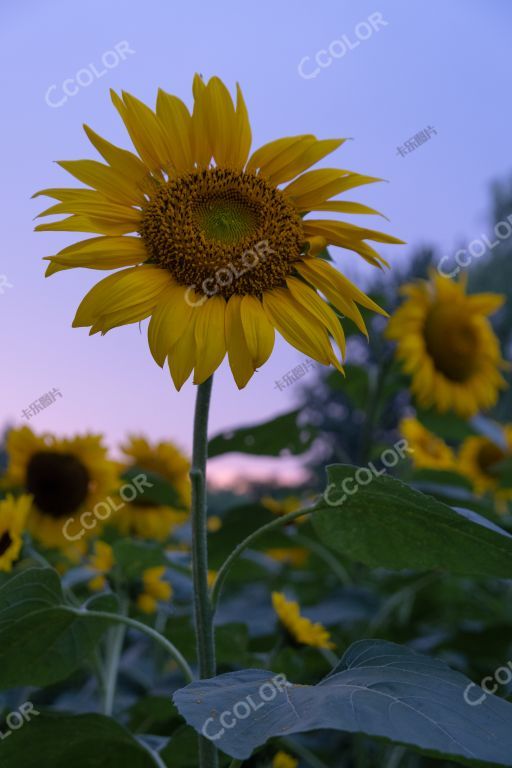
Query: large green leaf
x,y
282,434
81,741
41,640
386,523
379,688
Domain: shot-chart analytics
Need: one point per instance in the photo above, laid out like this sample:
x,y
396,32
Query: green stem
x,y
146,629
235,554
114,651
203,613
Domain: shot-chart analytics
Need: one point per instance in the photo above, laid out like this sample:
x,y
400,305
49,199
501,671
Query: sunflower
x,y
143,517
479,457
448,346
210,241
284,760
13,515
65,477
302,630
101,561
154,589
428,451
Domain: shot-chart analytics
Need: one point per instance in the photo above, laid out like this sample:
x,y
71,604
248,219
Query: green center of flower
x,y
223,232
452,341
226,220
59,482
5,542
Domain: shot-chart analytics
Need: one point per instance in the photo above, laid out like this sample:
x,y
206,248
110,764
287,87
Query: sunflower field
x,y
352,612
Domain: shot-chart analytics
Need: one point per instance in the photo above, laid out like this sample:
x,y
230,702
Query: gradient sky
x,y
443,64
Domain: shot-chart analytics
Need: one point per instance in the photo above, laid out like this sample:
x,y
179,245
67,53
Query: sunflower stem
x,y
203,613
114,652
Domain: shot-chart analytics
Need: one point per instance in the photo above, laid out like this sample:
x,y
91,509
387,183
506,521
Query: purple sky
x,y
436,64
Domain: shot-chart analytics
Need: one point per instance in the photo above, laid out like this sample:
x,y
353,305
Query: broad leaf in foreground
x,y
81,741
378,688
385,523
41,640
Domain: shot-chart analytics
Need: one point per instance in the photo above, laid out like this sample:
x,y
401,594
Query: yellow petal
x,y
120,291
296,325
102,253
144,130
315,187
243,134
169,320
308,156
84,224
221,121
278,153
131,314
121,159
259,332
345,206
210,336
182,356
177,130
240,360
200,138
105,179
317,306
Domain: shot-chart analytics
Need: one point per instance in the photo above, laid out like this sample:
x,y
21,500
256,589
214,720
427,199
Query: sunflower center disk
x,y
451,341
59,483
223,232
489,455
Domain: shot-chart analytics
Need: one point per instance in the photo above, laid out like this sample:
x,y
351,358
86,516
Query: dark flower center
x,y
452,342
5,542
59,482
228,228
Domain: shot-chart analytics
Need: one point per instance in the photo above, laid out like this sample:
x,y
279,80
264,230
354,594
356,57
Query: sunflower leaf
x,y
378,688
385,523
41,640
272,438
81,741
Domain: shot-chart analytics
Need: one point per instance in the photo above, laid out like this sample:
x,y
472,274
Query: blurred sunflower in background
x,y
13,517
145,517
446,343
154,590
64,478
207,240
427,450
479,459
300,629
